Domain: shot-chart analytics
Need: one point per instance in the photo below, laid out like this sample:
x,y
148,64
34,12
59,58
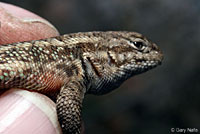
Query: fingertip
x,y
18,24
27,112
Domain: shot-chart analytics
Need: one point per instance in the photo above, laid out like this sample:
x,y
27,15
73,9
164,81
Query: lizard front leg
x,y
68,106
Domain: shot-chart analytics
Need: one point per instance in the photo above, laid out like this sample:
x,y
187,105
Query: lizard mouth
x,y
154,57
143,65
150,60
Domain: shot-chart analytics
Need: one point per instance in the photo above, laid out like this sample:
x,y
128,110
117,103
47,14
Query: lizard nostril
x,y
155,47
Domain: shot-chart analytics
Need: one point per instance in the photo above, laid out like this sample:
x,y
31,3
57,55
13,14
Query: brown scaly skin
x,y
73,65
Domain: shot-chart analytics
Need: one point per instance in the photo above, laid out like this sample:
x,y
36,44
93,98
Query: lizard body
x,y
68,67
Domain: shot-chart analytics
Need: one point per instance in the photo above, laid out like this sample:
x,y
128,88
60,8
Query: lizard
x,y
68,67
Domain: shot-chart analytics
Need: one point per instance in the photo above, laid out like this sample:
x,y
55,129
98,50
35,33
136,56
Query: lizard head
x,y
121,55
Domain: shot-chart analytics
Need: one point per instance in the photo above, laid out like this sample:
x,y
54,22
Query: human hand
x,y
22,111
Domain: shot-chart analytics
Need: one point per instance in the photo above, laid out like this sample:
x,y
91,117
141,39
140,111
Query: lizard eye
x,y
138,45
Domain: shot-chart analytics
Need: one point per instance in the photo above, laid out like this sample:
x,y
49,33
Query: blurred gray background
x,y
152,103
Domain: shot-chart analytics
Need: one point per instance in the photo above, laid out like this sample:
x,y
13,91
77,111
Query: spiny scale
x,y
69,66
